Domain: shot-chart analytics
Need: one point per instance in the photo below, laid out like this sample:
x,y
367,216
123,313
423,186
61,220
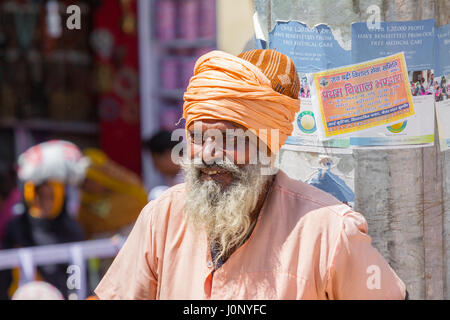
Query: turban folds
x,y
226,87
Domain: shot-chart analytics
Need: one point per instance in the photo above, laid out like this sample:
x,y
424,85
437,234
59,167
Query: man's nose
x,y
212,152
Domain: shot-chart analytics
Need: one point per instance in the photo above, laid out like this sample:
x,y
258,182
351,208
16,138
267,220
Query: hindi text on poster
x,y
363,96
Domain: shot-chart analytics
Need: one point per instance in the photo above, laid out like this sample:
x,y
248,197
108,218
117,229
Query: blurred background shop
x,y
105,75
112,83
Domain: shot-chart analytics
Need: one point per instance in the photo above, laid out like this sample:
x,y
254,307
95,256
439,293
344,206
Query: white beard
x,y
223,212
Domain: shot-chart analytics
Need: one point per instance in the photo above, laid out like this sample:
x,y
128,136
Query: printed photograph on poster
x,y
424,83
305,90
443,122
361,96
421,82
441,88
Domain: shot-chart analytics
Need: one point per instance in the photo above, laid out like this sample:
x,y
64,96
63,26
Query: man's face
x,y
45,196
213,142
224,181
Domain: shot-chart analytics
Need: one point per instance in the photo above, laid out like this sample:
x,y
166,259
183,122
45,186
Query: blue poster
x,y
414,38
442,48
311,50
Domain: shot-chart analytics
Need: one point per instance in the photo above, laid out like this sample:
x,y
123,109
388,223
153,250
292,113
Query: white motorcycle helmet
x,y
57,162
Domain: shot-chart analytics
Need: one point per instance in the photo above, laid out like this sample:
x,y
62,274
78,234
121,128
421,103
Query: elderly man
x,y
236,230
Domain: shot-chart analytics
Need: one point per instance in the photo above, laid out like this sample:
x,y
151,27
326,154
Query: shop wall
x,y
234,25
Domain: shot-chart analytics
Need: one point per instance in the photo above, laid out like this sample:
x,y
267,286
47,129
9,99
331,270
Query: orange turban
x,y
226,87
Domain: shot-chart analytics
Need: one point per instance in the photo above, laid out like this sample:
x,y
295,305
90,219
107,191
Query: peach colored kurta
x,y
305,245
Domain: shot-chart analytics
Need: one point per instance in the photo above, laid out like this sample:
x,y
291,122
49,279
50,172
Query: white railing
x,y
72,253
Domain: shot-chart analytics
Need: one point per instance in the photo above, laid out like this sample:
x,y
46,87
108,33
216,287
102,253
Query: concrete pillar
x,y
404,193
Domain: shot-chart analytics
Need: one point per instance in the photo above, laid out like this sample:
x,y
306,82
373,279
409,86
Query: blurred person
x,y
419,88
160,146
438,94
239,228
412,86
45,173
429,84
435,86
444,88
9,197
111,199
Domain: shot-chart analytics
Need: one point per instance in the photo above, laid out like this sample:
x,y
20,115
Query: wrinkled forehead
x,y
211,127
227,129
209,124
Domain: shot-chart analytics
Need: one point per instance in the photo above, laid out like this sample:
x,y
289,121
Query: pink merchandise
x,y
187,70
6,211
166,18
169,117
189,16
201,51
169,73
207,18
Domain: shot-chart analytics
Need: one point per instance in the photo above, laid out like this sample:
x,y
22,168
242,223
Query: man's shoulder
x,y
174,192
170,194
168,204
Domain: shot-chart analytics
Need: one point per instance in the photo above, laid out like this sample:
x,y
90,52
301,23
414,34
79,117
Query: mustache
x,y
224,166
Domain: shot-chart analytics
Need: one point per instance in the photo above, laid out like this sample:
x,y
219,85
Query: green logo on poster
x,y
398,127
306,122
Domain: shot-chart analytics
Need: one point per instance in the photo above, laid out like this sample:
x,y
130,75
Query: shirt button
x,y
210,264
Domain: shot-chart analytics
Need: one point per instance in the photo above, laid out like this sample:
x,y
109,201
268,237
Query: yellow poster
x,y
363,96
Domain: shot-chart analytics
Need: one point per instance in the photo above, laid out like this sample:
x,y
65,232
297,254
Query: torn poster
x,y
442,50
443,119
311,50
414,38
